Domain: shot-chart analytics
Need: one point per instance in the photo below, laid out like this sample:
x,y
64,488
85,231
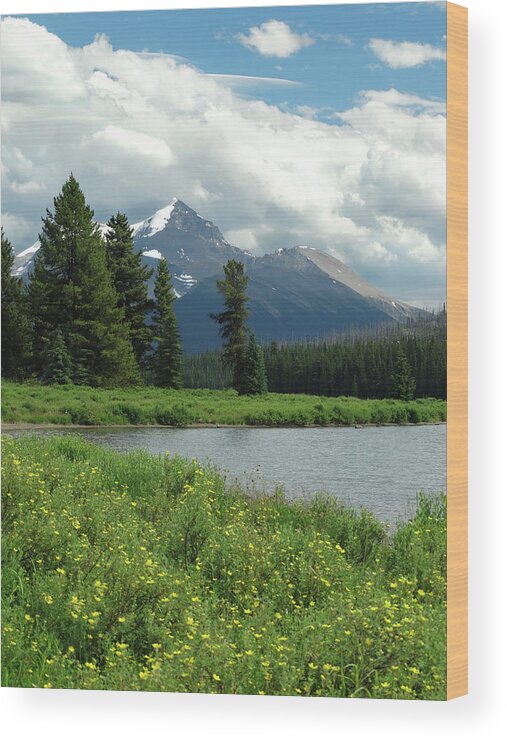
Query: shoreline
x,y
26,426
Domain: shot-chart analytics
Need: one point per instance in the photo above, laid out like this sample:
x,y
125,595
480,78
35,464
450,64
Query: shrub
x,y
177,415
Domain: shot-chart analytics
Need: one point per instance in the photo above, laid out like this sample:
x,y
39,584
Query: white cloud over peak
x,y
275,39
155,152
403,54
137,130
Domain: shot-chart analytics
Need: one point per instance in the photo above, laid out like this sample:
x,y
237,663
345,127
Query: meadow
x,y
132,572
38,404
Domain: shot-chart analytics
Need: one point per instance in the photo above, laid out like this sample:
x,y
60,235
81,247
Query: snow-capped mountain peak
x,y
23,259
154,223
103,228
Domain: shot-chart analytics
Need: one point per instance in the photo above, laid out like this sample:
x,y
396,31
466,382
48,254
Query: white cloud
x,y
275,39
16,227
238,82
137,144
26,187
403,54
139,129
398,99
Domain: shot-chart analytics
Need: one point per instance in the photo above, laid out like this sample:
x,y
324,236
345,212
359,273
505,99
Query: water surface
x,y
380,468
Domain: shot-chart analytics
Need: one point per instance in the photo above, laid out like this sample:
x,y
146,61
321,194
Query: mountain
x,y
193,246
295,293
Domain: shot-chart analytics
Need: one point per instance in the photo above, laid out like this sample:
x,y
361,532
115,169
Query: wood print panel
x,y
457,439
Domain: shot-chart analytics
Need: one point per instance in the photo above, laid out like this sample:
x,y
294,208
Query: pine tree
x,y
254,371
15,325
403,381
232,321
166,359
57,361
71,289
130,278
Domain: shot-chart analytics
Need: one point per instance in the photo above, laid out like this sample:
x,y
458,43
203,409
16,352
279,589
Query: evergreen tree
x,y
166,360
71,289
254,371
232,321
57,361
130,278
15,325
329,366
403,381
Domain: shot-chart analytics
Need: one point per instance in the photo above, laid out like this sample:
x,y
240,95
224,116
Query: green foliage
x,y
360,363
166,359
232,320
15,325
33,403
403,381
57,361
254,371
71,290
130,278
129,572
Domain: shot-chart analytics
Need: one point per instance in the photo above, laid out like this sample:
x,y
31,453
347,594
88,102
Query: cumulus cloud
x,y
137,130
403,54
155,152
275,39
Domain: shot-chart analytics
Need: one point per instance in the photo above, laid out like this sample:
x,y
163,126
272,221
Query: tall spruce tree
x,y
57,361
254,371
232,321
403,381
15,325
130,278
71,289
166,359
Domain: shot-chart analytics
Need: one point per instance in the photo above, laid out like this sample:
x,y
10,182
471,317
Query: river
x,y
380,468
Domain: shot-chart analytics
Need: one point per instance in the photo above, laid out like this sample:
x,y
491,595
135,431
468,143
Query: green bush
x,y
177,415
33,403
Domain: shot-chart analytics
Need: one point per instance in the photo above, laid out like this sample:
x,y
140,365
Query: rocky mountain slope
x,y
295,293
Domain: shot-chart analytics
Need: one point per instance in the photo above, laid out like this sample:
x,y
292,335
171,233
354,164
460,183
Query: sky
x,y
315,125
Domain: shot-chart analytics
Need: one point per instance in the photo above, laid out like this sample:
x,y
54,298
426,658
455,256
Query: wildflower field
x,y
131,572
70,404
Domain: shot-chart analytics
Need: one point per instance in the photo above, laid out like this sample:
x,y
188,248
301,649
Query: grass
x,y
37,404
130,572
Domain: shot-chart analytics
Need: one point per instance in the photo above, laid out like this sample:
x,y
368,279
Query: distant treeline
x,y
393,362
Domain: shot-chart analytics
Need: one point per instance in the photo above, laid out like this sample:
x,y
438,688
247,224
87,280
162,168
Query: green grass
x,y
130,572
37,404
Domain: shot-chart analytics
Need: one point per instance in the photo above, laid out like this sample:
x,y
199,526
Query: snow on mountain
x,y
23,259
154,254
186,280
295,292
103,228
155,223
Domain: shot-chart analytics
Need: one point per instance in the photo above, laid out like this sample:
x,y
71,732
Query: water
x,y
380,468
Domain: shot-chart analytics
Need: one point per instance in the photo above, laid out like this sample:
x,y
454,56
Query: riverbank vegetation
x,y
69,404
393,361
130,572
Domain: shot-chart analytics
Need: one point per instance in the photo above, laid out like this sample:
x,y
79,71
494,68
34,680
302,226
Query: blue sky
x,y
339,142
331,71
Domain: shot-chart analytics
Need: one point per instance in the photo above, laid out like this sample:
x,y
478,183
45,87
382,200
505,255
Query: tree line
x,y
85,316
403,362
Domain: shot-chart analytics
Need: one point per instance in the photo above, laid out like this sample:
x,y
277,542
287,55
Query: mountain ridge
x,y
295,292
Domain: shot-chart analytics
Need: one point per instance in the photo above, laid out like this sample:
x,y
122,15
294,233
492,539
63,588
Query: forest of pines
x,y
85,317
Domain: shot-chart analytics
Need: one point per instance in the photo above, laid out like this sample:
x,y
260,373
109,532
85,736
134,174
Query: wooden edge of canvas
x,y
457,350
